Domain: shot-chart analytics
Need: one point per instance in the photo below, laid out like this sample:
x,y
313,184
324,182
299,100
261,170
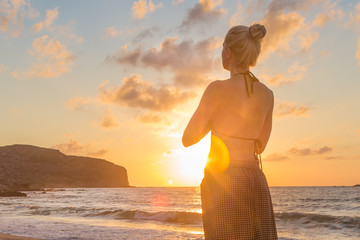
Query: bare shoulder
x,y
214,87
215,84
266,90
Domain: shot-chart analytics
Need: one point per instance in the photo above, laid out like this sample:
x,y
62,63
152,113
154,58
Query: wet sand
x,y
12,237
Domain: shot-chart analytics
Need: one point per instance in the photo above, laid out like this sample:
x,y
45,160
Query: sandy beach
x,y
12,237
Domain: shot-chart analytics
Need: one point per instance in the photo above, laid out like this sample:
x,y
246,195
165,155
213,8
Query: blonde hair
x,y
244,42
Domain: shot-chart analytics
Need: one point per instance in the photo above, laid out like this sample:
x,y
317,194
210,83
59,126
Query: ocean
x,y
171,213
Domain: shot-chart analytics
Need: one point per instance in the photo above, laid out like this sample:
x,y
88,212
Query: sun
x,y
190,162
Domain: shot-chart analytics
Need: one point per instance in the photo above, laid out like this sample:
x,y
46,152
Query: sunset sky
x,y
119,80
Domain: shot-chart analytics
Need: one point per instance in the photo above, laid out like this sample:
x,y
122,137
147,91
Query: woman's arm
x,y
266,130
199,124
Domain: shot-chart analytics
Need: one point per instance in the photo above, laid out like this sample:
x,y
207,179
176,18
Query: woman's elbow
x,y
261,150
260,146
186,141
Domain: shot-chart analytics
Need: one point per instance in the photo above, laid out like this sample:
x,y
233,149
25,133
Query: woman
x,y
236,202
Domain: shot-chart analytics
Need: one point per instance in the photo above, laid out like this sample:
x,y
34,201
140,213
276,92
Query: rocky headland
x,y
25,167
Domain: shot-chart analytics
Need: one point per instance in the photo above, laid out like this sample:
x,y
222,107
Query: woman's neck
x,y
235,71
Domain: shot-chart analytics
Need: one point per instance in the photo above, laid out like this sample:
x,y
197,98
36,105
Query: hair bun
x,y
257,31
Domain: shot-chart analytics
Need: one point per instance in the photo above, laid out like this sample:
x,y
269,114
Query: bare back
x,y
226,109
242,116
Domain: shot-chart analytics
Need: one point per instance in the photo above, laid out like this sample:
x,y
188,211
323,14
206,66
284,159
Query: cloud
x,y
148,32
177,2
354,23
57,30
354,18
51,15
74,147
123,56
78,103
284,109
66,31
342,158
18,111
155,118
97,153
189,61
280,29
151,118
203,12
172,152
307,40
294,73
286,26
335,158
71,147
112,32
330,13
3,68
109,120
308,151
137,93
76,38
276,157
238,16
53,60
184,55
141,8
12,14
325,53
299,152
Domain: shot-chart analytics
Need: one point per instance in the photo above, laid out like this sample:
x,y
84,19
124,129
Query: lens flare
x,y
219,157
159,200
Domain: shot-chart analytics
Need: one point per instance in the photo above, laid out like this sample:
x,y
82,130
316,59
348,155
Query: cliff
x,y
26,167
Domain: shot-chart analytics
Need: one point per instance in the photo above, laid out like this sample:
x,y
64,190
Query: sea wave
x,y
163,216
63,211
330,199
326,220
196,218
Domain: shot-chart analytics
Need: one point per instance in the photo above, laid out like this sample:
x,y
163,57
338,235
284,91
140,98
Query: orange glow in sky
x,y
122,86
